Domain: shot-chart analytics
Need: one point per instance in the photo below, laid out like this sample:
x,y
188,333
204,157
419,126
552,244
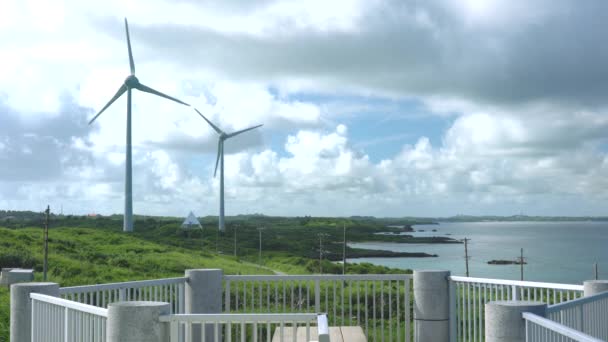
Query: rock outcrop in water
x,y
506,262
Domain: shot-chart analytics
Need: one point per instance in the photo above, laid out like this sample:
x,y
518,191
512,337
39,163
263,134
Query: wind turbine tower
x,y
220,161
131,82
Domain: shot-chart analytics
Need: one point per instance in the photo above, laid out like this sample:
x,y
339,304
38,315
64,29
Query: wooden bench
x,y
336,334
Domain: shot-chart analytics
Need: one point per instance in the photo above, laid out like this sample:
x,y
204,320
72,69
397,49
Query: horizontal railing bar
x,y
576,302
558,328
70,304
241,318
555,286
328,277
123,285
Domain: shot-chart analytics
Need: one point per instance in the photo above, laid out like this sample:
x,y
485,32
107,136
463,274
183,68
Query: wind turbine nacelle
x,y
131,81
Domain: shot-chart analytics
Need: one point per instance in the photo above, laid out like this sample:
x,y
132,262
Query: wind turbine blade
x,y
118,94
242,131
219,131
131,63
158,93
220,149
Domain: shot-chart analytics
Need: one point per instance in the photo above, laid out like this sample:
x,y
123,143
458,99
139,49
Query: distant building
x,y
191,222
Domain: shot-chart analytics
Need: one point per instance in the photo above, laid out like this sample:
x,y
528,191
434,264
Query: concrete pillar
x,y
11,276
21,308
17,275
504,321
137,322
593,287
203,295
431,306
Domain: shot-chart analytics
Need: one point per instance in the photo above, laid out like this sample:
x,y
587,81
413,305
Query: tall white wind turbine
x,y
131,82
220,160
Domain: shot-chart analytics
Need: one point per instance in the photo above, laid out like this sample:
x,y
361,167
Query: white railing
x,y
468,297
170,290
539,329
379,303
588,315
247,327
59,320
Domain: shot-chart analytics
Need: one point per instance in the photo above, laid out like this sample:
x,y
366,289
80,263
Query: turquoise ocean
x,y
559,252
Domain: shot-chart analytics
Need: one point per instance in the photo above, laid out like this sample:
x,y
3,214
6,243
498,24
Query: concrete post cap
x,y
34,284
204,269
516,303
596,282
593,287
21,270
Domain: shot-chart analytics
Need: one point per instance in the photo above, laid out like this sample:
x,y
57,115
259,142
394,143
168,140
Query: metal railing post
x,y
227,297
317,296
514,292
66,325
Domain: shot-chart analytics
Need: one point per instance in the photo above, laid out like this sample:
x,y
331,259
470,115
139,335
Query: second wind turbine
x,y
220,160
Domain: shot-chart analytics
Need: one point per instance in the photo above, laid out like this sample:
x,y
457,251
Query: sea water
x,y
562,252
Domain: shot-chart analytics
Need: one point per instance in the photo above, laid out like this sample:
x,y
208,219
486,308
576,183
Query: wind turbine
x,y
131,82
220,160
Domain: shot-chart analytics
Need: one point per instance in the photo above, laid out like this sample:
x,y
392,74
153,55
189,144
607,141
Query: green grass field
x,y
79,256
94,251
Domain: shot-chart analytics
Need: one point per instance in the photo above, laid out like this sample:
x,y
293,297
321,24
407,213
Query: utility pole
x,y
466,255
202,238
217,242
321,235
260,255
344,249
234,241
521,264
46,242
320,253
595,271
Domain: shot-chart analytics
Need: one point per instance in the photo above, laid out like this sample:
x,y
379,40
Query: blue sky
x,y
383,107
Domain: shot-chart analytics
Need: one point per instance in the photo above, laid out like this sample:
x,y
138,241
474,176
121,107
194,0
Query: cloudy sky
x,y
370,107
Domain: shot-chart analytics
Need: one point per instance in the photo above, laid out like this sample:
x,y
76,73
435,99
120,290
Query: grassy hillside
x,y
81,256
92,251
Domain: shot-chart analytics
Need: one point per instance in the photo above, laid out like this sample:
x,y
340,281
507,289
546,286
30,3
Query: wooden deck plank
x,y
353,334
336,334
300,334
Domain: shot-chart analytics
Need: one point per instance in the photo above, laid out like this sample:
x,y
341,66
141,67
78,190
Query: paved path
x,y
264,267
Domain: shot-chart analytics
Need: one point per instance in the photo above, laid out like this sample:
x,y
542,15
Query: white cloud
x,y
524,104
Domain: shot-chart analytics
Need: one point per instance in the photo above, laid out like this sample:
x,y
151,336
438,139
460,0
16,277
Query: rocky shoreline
x,y
355,253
